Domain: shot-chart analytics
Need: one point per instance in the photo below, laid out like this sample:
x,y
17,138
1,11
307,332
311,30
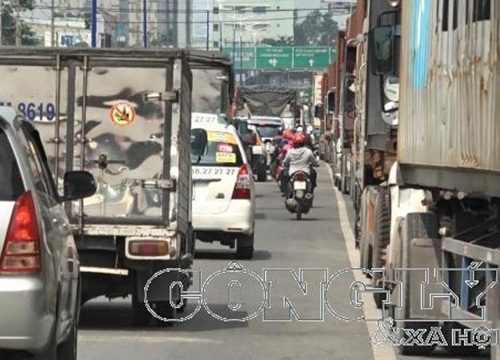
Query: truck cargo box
x,y
449,133
123,115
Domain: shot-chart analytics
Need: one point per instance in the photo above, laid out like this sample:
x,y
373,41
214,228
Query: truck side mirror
x,y
381,43
318,111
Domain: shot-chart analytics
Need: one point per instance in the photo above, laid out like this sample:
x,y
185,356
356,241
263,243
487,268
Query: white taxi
x,y
223,187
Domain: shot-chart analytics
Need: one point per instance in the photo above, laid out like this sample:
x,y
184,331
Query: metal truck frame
x,y
81,90
429,227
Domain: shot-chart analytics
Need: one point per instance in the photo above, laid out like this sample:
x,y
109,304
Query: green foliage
x,y
281,41
317,29
9,25
82,44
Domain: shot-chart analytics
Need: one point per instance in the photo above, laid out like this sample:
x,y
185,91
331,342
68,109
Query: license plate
x,y
299,185
257,150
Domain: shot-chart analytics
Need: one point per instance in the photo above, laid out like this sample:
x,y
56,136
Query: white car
x,y
223,188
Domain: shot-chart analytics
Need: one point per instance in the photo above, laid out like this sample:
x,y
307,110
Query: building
x,y
167,22
342,10
174,18
72,31
247,22
203,18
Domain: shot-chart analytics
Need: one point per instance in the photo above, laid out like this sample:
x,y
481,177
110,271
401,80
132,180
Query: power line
x,y
117,9
194,22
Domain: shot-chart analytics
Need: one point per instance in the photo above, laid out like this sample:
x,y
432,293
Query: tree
x,y
281,41
316,30
28,36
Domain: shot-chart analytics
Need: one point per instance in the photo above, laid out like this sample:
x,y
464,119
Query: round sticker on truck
x,y
122,114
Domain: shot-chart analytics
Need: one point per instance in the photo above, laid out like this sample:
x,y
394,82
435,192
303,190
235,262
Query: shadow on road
x,y
117,315
230,255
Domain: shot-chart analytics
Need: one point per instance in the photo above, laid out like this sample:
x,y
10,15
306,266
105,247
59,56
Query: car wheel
x,y
69,348
262,175
244,247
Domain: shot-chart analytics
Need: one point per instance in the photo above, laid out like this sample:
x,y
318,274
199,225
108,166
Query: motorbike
x,y
300,196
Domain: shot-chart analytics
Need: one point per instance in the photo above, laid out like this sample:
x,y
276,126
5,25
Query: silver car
x,y
39,267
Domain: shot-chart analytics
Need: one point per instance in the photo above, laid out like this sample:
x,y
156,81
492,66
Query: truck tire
x,y
381,239
418,225
244,247
469,350
165,310
140,314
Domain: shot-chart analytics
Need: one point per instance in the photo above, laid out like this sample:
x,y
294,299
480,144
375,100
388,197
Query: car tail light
x,y
300,177
242,187
21,250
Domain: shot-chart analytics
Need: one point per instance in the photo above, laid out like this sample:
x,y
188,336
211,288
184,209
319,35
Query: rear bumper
x,y
26,320
238,218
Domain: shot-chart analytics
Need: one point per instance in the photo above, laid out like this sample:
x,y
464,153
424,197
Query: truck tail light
x,y
148,248
21,250
242,187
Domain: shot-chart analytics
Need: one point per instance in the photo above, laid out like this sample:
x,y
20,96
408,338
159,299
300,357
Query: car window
x,y
41,176
221,148
11,182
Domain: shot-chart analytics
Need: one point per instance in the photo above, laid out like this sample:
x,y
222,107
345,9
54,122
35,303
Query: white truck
x,y
124,116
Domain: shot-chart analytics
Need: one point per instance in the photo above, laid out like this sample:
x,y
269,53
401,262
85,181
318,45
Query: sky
x,y
307,4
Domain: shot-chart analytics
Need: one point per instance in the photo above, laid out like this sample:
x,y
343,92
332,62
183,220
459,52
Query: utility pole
x,y
18,24
241,57
52,23
93,23
144,24
1,23
208,30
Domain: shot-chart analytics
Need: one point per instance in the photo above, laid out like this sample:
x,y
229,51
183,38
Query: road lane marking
x,y
369,309
146,338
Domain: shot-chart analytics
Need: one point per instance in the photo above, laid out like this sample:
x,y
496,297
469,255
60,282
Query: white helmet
x,y
299,129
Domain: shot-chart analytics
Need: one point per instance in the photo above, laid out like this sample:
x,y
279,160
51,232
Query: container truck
x,y
124,116
260,100
429,223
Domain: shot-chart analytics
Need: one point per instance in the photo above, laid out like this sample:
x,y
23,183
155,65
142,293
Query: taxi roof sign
x,y
206,118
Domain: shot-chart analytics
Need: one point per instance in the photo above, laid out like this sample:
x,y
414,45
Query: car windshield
x,y
10,179
268,131
221,148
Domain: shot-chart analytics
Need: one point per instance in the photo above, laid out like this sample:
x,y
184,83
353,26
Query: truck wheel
x,y
164,310
415,225
467,350
141,315
244,247
381,239
418,349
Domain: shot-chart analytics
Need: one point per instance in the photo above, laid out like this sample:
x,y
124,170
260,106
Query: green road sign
x,y
312,57
245,61
276,57
282,57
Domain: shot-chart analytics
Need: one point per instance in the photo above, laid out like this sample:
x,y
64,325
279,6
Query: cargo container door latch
x,y
167,184
172,96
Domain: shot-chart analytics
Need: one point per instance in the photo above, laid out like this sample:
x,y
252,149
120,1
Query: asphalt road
x,y
322,241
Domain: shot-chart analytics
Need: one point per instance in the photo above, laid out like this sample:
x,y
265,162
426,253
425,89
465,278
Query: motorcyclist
x,y
301,158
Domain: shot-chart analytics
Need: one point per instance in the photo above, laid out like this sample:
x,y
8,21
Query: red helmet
x,y
299,139
288,135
